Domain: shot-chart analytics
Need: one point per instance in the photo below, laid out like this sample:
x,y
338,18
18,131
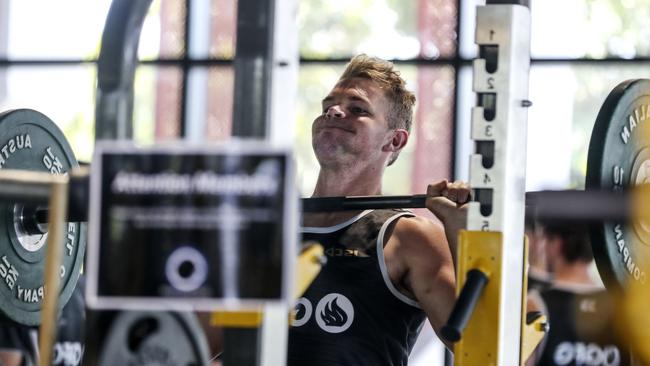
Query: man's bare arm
x,y
421,248
426,252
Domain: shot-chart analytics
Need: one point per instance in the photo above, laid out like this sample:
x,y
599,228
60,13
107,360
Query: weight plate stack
x,y
154,338
31,141
618,159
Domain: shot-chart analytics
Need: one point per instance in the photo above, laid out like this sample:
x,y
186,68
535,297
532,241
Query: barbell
x,y
618,167
618,160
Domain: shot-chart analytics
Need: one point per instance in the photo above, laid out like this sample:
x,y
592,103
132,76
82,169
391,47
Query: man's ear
x,y
399,139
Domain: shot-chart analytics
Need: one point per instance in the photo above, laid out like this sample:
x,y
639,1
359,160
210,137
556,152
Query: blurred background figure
x,y
579,309
539,277
19,343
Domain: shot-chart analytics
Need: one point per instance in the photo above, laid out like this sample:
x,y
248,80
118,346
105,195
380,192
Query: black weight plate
x,y
619,154
31,141
154,338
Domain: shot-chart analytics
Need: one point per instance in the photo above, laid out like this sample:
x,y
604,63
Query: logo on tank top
x,y
67,353
334,313
303,310
588,305
590,354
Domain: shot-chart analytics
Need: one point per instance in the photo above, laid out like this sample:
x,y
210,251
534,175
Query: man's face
x,y
353,125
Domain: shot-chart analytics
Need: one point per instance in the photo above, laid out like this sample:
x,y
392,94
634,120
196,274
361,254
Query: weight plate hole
x,y
140,331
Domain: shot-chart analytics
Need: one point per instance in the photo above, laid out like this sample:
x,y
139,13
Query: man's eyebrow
x,y
330,98
358,98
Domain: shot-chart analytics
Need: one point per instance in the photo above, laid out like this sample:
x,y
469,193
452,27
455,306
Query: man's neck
x,y
577,272
347,182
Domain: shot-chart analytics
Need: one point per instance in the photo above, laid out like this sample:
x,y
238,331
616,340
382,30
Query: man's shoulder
x,y
417,225
419,232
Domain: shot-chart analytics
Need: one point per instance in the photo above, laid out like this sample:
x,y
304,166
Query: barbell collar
x,y
78,198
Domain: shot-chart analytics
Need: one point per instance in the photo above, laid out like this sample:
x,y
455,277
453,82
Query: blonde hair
x,y
382,72
388,78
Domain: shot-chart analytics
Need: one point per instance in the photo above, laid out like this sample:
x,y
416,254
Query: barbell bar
x,y
572,205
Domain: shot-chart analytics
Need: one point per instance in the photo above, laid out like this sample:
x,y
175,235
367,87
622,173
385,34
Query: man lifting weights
x,y
387,270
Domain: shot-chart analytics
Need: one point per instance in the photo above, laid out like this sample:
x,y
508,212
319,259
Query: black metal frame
x,y
116,69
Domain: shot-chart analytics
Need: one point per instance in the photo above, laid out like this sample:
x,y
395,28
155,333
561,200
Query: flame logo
x,y
303,311
333,315
300,311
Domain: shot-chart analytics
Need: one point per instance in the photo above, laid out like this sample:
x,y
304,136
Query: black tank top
x,y
352,314
69,346
581,328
